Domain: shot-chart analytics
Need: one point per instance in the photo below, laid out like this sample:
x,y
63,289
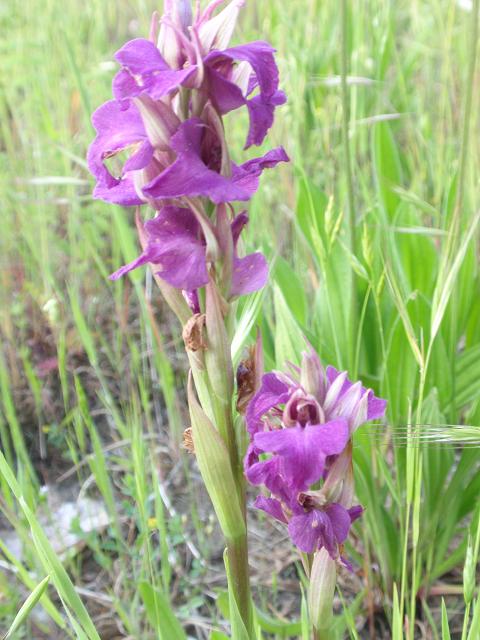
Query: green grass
x,y
400,307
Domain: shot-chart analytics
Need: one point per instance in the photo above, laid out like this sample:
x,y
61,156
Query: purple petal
x,y
116,129
260,57
190,176
376,406
333,436
341,521
355,512
238,226
225,94
346,563
261,111
141,56
145,70
249,274
303,459
140,159
174,245
312,530
192,300
271,506
123,193
251,457
273,391
304,449
332,375
255,166
269,473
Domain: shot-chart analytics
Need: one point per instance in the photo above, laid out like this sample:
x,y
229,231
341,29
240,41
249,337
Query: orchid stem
x,y
239,571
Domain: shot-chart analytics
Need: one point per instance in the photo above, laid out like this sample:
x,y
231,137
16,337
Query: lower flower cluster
x,y
300,428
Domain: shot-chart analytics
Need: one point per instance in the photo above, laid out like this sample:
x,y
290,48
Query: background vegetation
x,y
91,381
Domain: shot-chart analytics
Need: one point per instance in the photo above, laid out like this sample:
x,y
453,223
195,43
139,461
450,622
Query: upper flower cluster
x,y
304,422
161,140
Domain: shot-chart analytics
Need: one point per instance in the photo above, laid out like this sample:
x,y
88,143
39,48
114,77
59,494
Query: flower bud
x,y
339,481
323,578
215,33
182,12
312,377
179,18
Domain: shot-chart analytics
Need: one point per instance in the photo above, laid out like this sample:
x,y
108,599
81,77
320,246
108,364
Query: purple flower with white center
x,y
300,426
177,249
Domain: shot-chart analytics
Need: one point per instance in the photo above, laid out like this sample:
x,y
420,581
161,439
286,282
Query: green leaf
x,y
474,631
66,590
27,606
280,627
388,168
289,341
397,632
248,316
292,289
445,625
159,613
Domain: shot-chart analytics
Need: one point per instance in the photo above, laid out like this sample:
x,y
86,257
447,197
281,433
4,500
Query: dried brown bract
x,y
188,440
246,381
193,333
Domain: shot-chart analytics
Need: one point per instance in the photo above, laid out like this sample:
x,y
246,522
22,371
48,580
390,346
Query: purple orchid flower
x,y
203,62
299,424
189,175
176,245
329,528
313,528
167,113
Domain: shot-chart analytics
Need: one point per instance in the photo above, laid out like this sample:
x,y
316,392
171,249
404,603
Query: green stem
x,y
239,571
221,399
348,169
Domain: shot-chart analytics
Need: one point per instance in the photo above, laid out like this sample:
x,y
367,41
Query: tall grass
x,y
382,129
